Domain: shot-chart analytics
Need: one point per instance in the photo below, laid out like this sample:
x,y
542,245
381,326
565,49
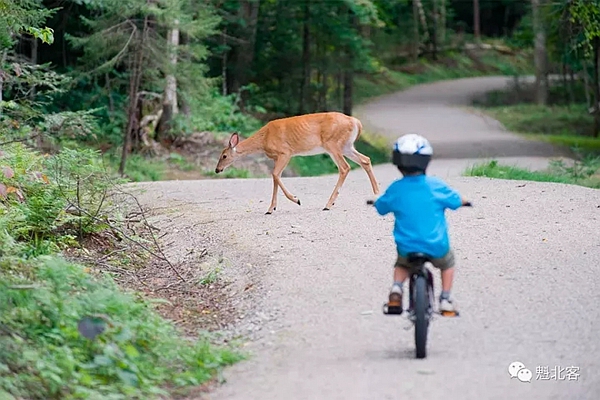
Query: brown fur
x,y
284,138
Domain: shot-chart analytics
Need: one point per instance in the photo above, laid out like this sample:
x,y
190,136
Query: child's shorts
x,y
442,264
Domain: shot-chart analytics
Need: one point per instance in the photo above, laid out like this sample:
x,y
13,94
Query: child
x,y
418,203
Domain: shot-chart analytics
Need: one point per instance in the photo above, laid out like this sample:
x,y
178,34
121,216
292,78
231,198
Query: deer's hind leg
x,y
365,163
344,169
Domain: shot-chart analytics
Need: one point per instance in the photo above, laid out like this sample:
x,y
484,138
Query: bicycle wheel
x,y
421,304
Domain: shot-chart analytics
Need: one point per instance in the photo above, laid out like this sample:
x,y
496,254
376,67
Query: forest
x,y
94,93
138,77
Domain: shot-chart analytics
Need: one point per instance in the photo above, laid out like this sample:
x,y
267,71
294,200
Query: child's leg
x,y
447,279
400,275
446,267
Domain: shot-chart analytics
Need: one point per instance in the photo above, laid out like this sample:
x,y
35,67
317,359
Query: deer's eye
x,y
224,156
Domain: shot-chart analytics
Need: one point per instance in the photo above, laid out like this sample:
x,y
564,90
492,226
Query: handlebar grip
x,y
370,202
468,204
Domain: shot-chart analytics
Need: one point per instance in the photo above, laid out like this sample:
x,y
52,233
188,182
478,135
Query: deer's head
x,y
228,155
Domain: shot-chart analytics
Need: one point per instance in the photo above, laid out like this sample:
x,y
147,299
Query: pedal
x,y
393,309
449,313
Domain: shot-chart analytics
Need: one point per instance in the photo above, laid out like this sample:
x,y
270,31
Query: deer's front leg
x,y
273,205
280,163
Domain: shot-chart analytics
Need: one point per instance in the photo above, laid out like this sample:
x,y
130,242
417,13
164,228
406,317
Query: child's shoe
x,y
395,297
447,307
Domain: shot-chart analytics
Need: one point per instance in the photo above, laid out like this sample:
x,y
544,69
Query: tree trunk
x,y
596,87
136,66
349,74
434,28
348,91
571,84
586,84
224,63
34,60
423,20
305,85
442,22
416,40
170,108
476,21
243,54
540,55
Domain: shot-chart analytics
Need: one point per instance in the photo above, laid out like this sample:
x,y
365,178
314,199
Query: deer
x,y
281,139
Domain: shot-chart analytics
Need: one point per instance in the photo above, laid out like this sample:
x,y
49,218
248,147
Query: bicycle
x,y
421,298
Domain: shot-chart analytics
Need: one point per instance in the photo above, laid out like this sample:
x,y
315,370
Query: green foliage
x,y
31,89
583,173
231,173
139,168
561,122
585,17
18,16
548,120
581,144
43,355
217,114
45,203
523,35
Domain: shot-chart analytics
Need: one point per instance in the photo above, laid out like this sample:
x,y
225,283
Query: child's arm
x,y
450,198
383,203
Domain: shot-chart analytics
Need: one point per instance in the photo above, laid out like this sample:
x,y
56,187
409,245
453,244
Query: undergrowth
x,y
565,121
585,172
65,331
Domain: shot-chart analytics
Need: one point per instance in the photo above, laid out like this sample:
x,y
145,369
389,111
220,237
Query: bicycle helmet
x,y
412,153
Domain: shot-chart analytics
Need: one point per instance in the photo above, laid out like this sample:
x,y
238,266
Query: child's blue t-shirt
x,y
419,203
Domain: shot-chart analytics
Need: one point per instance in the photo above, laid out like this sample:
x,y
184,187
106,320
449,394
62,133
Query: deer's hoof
x,y
298,201
326,209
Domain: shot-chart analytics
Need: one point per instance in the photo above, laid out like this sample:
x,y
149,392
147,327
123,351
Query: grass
x,y
565,121
583,173
230,173
555,120
563,125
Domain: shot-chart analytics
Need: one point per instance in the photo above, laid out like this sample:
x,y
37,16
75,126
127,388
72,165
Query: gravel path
x,y
526,282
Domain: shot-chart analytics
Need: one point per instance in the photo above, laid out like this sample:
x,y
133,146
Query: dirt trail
x,y
526,283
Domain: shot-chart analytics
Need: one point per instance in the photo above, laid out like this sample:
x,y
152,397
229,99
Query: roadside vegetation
x,y
95,94
562,111
67,330
584,172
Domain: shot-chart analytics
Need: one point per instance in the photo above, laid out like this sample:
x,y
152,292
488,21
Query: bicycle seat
x,y
418,257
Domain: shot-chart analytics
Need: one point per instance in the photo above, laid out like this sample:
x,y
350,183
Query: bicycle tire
x,y
421,304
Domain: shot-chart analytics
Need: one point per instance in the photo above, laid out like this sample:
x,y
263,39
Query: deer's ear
x,y
234,140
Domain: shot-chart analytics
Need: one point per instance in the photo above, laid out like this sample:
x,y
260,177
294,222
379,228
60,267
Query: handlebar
x,y
467,204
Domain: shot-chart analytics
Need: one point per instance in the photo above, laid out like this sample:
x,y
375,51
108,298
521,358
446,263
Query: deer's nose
x,y
217,170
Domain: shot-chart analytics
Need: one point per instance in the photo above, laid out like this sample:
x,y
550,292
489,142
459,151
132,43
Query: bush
x,y
64,333
44,355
